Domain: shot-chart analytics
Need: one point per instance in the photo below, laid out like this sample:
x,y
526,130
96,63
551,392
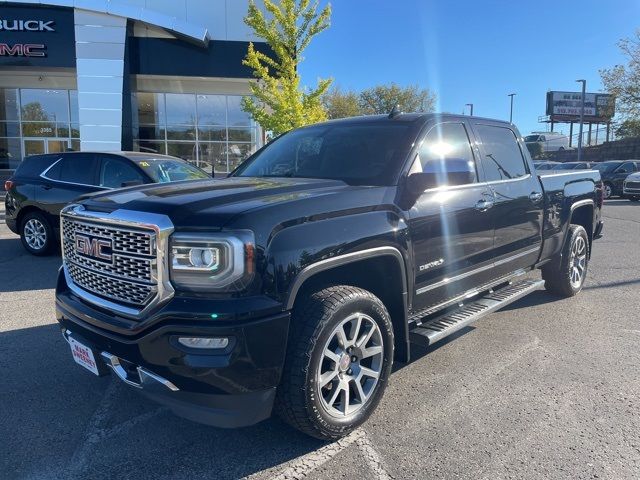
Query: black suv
x,y
614,172
43,184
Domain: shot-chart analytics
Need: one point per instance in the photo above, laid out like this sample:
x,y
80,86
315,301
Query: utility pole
x,y
471,106
584,89
511,110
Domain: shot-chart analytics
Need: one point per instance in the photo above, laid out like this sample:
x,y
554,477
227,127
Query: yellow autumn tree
x,y
278,102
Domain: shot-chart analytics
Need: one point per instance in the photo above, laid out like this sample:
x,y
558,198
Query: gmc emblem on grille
x,y
95,248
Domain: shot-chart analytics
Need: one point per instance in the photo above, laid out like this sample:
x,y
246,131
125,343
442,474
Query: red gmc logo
x,y
22,50
96,248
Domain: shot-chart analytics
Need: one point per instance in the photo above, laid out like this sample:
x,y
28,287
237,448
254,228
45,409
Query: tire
x,y
634,199
565,274
311,396
36,234
608,190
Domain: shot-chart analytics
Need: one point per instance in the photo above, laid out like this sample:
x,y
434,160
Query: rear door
x,y
517,213
73,175
451,230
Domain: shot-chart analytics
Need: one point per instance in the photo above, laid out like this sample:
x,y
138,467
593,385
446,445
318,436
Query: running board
x,y
431,331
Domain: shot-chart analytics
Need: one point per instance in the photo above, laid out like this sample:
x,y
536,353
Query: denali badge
x,y
429,265
95,248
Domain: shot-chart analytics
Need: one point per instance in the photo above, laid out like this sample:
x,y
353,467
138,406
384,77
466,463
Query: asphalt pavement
x,y
545,388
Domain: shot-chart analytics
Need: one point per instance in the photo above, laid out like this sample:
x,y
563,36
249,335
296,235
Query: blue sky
x,y
473,51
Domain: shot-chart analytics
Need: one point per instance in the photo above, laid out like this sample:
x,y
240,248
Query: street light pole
x,y
511,109
471,106
584,88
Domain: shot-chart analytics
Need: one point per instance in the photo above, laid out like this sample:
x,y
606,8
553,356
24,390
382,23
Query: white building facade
x,y
162,76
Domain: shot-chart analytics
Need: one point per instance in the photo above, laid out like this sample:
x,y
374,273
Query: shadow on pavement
x,y
20,271
59,421
621,202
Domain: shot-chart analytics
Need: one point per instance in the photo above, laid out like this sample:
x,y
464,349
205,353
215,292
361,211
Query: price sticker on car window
x,y
144,164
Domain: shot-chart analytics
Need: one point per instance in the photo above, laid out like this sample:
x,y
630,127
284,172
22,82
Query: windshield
x,y
163,170
566,166
607,166
358,154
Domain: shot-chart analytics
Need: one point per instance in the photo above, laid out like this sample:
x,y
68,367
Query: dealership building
x,y
162,76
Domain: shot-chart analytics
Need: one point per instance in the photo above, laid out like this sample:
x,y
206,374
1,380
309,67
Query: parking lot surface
x,y
545,388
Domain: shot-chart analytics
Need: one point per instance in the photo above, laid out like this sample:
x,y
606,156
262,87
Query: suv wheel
x,y
36,234
338,362
608,190
634,199
565,275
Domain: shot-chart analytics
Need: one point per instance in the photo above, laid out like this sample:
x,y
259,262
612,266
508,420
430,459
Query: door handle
x,y
484,205
535,196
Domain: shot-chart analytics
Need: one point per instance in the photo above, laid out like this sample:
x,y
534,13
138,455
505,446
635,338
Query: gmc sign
x,y
22,50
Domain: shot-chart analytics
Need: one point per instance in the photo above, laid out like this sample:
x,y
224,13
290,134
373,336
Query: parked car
x,y
574,166
296,282
631,187
545,165
43,184
550,141
614,172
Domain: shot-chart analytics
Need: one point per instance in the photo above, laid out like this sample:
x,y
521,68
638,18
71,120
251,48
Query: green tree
x,y
628,129
278,102
623,81
382,98
341,104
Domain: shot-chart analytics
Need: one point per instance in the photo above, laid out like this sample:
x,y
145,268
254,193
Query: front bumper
x,y
231,387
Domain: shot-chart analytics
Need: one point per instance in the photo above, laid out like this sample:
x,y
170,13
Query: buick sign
x,y
27,26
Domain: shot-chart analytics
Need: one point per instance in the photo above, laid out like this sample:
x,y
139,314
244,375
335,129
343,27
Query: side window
x,y
115,172
76,168
446,151
543,138
53,171
627,167
503,158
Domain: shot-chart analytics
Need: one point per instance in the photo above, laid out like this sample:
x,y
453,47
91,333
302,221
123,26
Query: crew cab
x,y
294,284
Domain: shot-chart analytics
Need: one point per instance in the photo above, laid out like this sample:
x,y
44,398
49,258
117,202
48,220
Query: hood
x,y
634,176
211,203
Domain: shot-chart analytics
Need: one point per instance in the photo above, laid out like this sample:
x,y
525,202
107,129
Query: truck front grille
x,y
123,268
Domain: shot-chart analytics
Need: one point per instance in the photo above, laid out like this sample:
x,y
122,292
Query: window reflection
x,y
209,130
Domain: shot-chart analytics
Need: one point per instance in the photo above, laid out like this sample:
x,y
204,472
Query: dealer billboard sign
x,y
36,36
566,106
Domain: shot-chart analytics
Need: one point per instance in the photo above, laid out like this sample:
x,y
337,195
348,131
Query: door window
x,y
503,159
115,173
76,168
446,150
627,167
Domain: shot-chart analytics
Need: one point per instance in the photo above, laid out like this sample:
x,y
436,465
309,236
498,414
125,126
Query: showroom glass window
x,y
34,121
209,130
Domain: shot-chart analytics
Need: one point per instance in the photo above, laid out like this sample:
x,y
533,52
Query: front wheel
x,y
338,362
565,275
634,199
608,190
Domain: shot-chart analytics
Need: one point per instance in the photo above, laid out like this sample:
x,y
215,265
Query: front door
x,y
451,227
519,203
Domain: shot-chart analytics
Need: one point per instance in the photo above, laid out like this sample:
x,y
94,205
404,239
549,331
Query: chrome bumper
x,y
139,378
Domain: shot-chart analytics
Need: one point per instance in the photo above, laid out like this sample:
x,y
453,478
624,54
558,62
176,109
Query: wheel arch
x,y
582,213
381,271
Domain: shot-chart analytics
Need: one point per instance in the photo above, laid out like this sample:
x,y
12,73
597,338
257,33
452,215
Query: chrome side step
x,y
431,331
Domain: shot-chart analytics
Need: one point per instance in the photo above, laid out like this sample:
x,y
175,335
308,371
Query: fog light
x,y
204,342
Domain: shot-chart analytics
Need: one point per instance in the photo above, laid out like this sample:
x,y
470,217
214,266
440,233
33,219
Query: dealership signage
x,y
36,36
567,106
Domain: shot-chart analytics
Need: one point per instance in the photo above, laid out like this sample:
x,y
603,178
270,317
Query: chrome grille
x,y
632,184
131,276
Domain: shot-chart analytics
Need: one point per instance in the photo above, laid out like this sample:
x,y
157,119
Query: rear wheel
x,y
338,362
608,190
565,275
36,234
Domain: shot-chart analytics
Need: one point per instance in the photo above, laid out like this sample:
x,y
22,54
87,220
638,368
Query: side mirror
x,y
131,183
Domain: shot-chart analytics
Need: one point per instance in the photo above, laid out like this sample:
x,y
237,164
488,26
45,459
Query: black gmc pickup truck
x,y
296,282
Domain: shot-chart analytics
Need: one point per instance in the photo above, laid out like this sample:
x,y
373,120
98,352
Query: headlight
x,y
212,263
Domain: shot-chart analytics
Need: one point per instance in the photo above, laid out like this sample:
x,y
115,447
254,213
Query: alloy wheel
x,y
35,234
578,262
351,365
608,191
